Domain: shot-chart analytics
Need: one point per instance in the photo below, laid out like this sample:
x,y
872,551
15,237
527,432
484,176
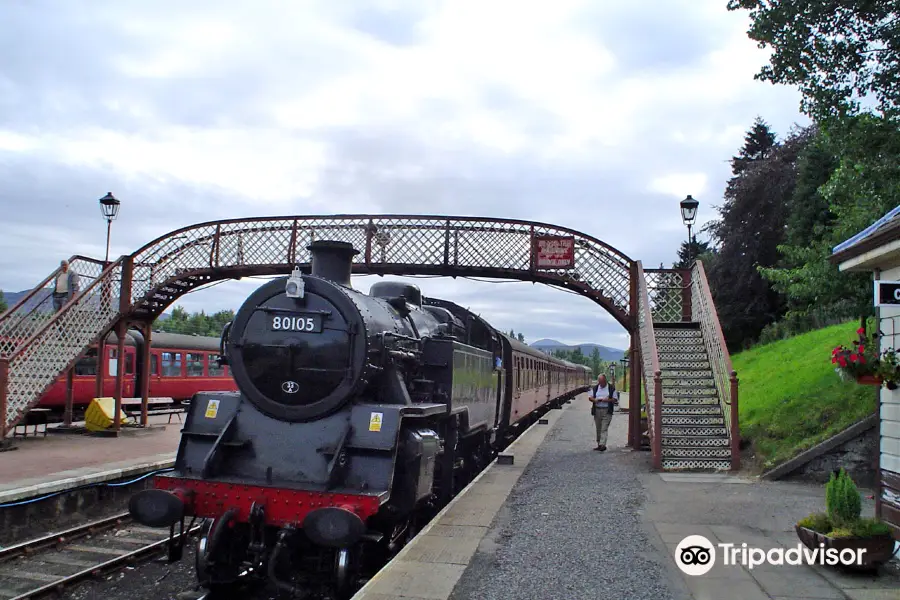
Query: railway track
x,y
54,562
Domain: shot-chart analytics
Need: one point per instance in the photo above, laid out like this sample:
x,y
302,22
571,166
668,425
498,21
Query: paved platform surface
x,y
567,522
42,465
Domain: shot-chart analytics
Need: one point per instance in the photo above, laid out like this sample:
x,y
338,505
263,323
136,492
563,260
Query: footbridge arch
x,y
36,345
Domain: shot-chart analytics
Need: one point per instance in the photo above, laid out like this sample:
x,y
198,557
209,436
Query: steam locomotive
x,y
358,417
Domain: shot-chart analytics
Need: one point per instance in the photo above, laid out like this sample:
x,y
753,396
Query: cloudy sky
x,y
598,115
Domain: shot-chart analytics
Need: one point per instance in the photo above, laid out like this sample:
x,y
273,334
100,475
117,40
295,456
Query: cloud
x,y
598,117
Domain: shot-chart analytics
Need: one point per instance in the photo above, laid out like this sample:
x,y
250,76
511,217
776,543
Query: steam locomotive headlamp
x,y
157,508
294,287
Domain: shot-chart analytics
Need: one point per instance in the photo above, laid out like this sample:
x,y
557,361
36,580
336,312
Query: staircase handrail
x,y
703,311
68,307
33,291
652,376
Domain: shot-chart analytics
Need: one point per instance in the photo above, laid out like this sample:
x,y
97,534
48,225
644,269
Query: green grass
x,y
791,399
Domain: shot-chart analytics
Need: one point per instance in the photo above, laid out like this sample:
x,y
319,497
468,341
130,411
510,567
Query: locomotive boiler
x,y
358,416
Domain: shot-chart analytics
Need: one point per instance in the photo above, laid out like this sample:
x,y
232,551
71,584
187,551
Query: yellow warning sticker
x,y
212,409
375,420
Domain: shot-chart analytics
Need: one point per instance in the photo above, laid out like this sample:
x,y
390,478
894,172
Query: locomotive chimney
x,y
332,260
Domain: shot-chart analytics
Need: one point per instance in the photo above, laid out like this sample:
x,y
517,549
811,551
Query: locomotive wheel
x,y
216,576
346,572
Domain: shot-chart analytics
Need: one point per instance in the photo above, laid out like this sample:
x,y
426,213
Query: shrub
x,y
869,527
842,500
818,522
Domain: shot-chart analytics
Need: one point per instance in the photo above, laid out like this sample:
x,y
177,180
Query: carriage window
x,y
194,364
129,364
171,364
154,364
113,362
214,369
87,364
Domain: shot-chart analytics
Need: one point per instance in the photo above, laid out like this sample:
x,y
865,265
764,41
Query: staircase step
x,y
668,332
701,373
711,420
693,430
683,356
690,409
677,325
692,400
694,453
688,392
689,382
678,364
693,442
695,464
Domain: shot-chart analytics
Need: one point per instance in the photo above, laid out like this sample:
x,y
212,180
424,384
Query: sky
x,y
595,115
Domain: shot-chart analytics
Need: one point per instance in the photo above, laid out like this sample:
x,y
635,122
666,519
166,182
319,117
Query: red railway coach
x,y
180,366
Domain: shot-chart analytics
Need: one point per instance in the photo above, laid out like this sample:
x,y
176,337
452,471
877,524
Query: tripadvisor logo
x,y
695,555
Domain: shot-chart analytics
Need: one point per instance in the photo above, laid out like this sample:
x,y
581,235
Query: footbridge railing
x,y
650,369
703,311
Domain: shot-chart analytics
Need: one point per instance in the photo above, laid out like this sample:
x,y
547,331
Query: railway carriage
x,y
180,366
358,417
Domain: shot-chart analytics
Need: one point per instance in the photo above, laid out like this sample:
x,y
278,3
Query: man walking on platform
x,y
66,286
603,398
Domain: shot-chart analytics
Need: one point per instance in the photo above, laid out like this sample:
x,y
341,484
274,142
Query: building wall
x,y
890,413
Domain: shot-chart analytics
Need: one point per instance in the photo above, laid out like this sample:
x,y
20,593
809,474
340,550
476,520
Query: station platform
x,y
567,522
43,465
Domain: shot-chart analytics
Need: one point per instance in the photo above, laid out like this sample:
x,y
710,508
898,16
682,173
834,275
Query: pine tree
x,y
758,143
3,305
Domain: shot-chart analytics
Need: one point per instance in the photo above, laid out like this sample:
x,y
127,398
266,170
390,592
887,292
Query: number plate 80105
x,y
299,323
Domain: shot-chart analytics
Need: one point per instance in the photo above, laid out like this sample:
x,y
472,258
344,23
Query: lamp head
x,y
689,210
109,206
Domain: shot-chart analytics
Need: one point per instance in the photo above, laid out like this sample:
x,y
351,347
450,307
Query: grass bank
x,y
790,397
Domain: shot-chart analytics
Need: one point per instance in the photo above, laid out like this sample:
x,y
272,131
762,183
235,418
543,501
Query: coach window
x,y
129,364
214,369
194,364
154,364
171,364
87,364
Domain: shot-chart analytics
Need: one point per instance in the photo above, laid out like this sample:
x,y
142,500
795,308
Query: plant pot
x,y
878,548
869,380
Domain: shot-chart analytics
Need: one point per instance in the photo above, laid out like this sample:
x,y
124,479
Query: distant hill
x,y
606,353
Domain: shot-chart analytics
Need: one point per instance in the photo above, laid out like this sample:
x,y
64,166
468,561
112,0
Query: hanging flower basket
x,y
869,380
863,364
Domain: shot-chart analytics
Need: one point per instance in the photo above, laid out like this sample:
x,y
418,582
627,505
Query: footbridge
x,y
688,408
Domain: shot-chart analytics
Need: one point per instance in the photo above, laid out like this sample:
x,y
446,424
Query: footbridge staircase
x,y
677,351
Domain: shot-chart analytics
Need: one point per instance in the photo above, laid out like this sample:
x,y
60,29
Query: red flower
x,y
852,358
842,362
860,331
862,359
862,348
833,360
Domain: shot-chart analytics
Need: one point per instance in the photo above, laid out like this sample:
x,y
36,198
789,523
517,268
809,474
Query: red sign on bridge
x,y
554,252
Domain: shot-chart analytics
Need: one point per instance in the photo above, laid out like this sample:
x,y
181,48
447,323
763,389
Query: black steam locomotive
x,y
358,417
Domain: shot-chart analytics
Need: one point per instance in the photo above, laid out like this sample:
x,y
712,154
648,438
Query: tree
x,y
749,231
3,305
195,324
758,143
595,362
835,51
689,252
520,337
863,187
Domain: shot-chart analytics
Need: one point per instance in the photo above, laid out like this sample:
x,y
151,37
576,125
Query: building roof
x,y
878,234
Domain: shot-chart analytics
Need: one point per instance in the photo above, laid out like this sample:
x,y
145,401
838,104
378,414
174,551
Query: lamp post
x,y
688,214
625,370
109,206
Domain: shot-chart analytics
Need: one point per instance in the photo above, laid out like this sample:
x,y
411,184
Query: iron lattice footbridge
x,y
677,348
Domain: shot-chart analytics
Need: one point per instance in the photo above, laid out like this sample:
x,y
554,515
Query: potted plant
x,y
864,364
842,528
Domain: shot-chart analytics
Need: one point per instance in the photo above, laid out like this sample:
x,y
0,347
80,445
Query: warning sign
x,y
212,409
375,421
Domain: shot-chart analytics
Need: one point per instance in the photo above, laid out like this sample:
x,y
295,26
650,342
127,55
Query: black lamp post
x,y
688,215
109,206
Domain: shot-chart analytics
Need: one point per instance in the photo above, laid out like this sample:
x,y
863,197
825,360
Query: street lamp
x,y
688,214
109,206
